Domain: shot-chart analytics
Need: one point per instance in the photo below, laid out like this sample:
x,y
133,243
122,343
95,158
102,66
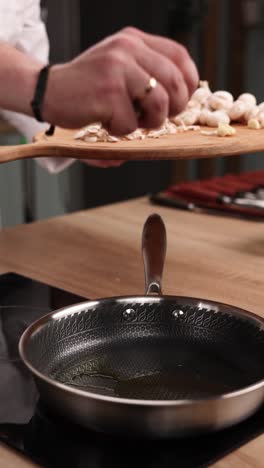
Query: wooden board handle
x,y
36,150
13,153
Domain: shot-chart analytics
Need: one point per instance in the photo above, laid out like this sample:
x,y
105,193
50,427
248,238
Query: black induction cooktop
x,y
28,426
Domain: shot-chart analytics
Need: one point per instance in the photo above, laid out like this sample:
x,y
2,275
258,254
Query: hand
x,y
102,83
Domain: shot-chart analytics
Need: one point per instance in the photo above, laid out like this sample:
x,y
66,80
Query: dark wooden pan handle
x,y
154,244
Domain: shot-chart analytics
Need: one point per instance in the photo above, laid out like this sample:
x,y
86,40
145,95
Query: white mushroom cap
x,y
248,98
217,117
251,113
237,111
204,115
261,106
221,100
189,117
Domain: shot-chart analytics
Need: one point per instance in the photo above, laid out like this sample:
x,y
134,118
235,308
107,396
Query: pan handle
x,y
154,251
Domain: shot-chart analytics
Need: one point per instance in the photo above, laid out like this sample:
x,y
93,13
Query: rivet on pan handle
x,y
154,251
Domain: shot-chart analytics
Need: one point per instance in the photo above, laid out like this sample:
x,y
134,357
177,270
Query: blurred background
x,y
225,38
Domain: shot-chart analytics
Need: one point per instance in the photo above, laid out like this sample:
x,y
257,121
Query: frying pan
x,y
152,365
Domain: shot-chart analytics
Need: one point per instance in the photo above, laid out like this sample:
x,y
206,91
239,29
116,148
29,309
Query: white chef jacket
x,y
21,26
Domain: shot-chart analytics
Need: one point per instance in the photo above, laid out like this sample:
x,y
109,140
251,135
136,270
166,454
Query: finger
x,y
174,51
123,118
166,73
155,105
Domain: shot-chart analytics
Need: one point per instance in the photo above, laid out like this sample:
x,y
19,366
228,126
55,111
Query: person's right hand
x,y
101,84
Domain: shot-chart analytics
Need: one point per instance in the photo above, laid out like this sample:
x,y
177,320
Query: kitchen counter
x,y
96,253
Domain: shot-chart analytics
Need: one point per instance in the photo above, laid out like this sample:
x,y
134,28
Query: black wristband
x,y
37,101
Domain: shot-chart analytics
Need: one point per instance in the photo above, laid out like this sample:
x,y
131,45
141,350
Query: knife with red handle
x,y
203,194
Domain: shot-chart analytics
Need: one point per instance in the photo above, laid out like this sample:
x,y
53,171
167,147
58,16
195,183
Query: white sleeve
x,y
30,37
29,127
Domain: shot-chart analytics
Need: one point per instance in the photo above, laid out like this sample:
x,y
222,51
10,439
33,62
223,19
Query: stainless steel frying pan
x,y
149,365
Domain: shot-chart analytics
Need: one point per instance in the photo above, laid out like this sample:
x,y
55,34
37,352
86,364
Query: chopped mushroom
x,y
206,108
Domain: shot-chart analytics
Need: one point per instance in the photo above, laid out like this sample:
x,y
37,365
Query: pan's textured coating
x,y
150,350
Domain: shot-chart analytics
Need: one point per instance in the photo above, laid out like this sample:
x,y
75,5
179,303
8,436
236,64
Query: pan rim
x,y
70,310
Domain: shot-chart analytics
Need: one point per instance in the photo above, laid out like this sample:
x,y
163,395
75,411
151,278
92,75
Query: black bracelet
x,y
37,101
50,130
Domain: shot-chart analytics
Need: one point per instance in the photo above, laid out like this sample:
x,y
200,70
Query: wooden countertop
x,y
97,253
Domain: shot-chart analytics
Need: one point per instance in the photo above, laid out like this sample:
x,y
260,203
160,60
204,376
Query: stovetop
x,y
28,426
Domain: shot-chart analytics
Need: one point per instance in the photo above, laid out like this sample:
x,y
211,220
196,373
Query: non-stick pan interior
x,y
151,349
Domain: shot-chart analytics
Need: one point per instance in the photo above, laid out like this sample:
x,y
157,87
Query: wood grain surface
x,y
187,145
96,253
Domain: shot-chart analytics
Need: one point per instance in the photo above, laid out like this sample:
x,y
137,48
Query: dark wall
x,y
100,19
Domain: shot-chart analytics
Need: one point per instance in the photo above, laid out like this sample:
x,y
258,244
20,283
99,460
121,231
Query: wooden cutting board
x,y
187,145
